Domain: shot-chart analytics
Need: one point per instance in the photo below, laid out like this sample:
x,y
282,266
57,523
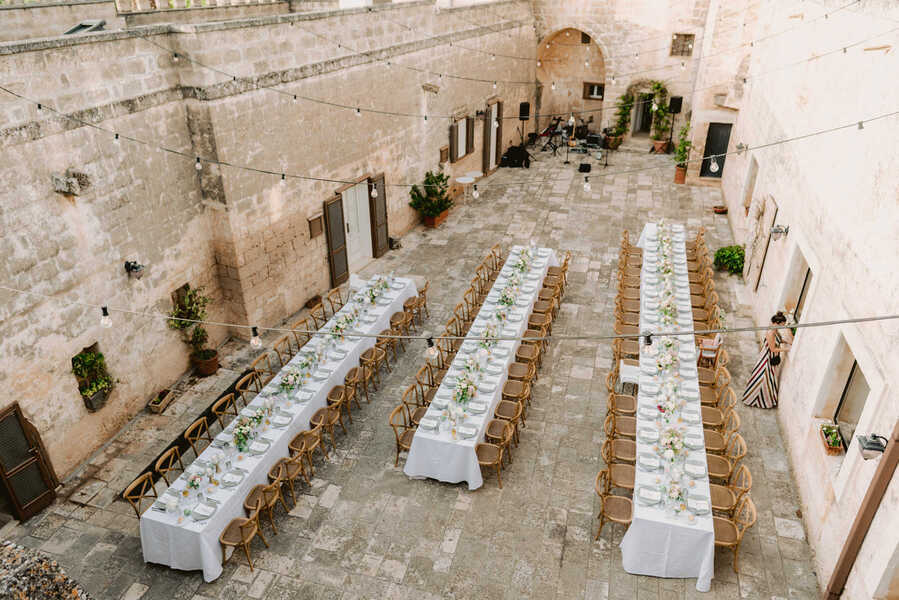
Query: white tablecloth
x,y
194,545
659,542
436,454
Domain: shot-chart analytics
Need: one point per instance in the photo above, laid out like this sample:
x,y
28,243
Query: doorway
x,y
716,141
357,221
493,135
28,477
643,113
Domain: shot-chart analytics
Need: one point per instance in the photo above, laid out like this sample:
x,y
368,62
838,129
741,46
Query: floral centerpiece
x,y
508,296
523,264
243,430
668,405
490,334
464,391
292,379
675,495
258,416
671,444
195,481
667,360
380,284
341,324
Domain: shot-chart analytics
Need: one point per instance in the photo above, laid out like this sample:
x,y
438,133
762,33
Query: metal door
x,y
24,466
716,141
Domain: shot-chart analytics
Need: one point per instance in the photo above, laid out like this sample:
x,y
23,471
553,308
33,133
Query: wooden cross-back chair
x,y
225,409
198,436
264,367
335,300
403,430
248,386
138,490
167,463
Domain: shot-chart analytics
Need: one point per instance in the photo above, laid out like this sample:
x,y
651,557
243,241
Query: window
x,y
461,138
682,44
749,184
180,294
444,155
852,403
585,38
803,293
593,91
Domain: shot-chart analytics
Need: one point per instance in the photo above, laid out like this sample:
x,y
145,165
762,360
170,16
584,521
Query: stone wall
x,y
47,19
242,235
837,193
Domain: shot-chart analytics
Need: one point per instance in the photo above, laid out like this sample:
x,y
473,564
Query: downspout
x,y
869,506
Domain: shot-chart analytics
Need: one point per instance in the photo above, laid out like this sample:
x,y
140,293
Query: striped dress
x,y
761,391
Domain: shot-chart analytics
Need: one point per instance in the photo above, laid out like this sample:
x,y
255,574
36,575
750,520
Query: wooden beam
x,y
869,506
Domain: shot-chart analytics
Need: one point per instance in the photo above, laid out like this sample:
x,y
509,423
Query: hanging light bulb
x,y
586,183
116,138
283,179
539,64
294,97
655,107
861,124
175,57
683,65
105,319
554,86
358,112
255,341
547,44
587,62
494,85
714,166
495,123
198,165
568,34
493,57
475,193
374,191
636,55
431,351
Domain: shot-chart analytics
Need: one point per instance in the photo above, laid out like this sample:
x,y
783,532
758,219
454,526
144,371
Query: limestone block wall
x,y
837,193
635,41
20,21
244,236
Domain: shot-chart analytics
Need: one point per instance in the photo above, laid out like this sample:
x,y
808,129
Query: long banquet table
x,y
435,453
182,543
669,538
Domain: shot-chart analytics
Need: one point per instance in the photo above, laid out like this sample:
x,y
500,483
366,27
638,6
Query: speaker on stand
x,y
524,114
675,105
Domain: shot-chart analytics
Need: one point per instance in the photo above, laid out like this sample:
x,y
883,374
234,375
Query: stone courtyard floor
x,y
364,530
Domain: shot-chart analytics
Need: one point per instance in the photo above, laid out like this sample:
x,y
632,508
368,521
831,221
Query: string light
x,y
475,193
105,319
175,57
554,86
198,165
861,124
283,179
587,62
683,65
494,85
255,340
493,57
374,191
358,112
431,351
539,64
714,166
586,183
613,80
116,138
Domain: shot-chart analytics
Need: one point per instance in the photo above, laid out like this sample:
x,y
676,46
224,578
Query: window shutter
x,y
499,133
469,135
454,142
586,91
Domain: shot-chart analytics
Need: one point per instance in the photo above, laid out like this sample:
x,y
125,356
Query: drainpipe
x,y
871,502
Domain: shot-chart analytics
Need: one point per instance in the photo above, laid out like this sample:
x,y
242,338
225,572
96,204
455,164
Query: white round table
x,y
466,181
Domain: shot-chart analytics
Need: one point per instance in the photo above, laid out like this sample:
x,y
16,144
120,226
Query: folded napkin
x,y
467,431
693,441
477,407
281,420
231,479
695,469
649,434
428,423
649,494
204,510
698,505
258,447
649,461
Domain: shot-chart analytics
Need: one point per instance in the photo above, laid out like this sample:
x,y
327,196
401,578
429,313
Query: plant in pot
x,y
682,153
622,120
833,441
94,381
730,258
189,309
661,125
432,200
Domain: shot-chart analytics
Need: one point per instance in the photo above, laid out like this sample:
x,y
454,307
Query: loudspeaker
x,y
675,104
524,111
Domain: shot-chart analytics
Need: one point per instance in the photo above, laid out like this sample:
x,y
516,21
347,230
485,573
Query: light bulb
x,y
655,106
116,138
539,64
587,63
283,179
358,113
568,33
475,193
198,165
431,351
636,55
554,86
493,57
547,44
586,184
714,166
105,319
175,57
374,191
496,123
255,342
683,65
613,80
494,85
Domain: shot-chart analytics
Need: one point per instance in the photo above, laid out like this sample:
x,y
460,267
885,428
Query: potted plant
x,y
730,258
622,120
433,202
833,441
682,153
94,381
661,125
160,401
184,316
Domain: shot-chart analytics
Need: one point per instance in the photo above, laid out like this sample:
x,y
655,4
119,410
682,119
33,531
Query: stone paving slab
x,y
364,530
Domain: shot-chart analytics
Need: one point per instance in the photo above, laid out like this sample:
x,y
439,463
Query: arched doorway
x,y
572,76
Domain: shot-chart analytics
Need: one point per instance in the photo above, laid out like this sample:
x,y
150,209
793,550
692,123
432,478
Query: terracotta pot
x,y
720,209
205,366
615,141
680,174
165,398
433,222
660,146
827,447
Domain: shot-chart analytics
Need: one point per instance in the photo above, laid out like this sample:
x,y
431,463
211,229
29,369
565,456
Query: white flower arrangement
x,y
667,360
195,481
242,432
464,391
509,295
490,334
291,379
671,443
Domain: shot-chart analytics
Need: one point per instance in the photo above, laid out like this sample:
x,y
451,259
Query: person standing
x,y
761,390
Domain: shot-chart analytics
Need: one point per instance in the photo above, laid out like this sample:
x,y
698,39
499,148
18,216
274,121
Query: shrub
x,y
90,369
189,309
682,150
623,114
434,199
730,258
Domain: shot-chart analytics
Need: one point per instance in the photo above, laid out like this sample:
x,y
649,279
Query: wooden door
x,y
760,242
485,141
499,135
716,141
24,466
336,240
378,212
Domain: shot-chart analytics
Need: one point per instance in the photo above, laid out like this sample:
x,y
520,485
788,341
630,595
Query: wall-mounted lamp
x,y
872,446
779,231
741,148
134,269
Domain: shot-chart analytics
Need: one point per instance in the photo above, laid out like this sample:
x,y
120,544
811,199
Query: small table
x,y
465,180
